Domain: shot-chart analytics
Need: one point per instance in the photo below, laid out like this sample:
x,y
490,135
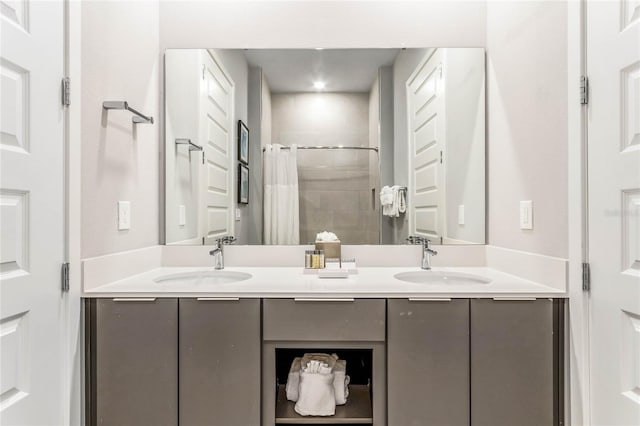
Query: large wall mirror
x,y
276,145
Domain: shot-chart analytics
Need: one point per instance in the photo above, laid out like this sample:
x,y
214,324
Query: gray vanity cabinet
x,y
132,362
219,347
428,362
516,362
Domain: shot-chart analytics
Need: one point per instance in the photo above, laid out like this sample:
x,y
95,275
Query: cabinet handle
x,y
514,299
429,299
218,299
134,299
311,299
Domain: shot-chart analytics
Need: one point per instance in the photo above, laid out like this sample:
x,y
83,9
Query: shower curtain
x,y
281,205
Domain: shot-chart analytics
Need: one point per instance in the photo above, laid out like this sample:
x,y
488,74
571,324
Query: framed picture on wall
x,y
243,142
243,184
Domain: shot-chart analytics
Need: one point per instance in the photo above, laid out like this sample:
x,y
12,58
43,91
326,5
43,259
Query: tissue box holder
x,y
331,249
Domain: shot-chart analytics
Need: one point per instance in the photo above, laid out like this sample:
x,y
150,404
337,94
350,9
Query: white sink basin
x,y
441,278
204,277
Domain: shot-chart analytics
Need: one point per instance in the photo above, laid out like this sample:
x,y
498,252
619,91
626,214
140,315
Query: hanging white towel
x,y
386,200
393,201
400,200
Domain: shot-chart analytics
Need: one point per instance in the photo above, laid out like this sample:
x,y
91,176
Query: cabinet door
x,y
428,362
136,362
512,363
219,362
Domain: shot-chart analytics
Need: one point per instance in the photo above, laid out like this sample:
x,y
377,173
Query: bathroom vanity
x,y
164,350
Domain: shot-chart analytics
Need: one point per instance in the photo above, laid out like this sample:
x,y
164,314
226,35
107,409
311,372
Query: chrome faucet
x,y
427,251
218,251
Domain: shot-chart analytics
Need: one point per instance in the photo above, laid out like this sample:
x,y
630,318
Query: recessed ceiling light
x,y
319,85
319,48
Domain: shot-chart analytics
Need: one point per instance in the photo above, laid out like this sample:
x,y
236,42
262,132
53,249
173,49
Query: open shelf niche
x,y
357,411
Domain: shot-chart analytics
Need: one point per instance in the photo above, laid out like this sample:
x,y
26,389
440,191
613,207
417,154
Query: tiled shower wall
x,y
334,185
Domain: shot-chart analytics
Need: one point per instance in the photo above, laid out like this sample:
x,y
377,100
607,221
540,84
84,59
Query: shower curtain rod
x,y
332,147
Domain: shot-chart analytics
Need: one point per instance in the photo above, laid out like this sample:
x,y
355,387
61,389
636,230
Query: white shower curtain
x,y
281,204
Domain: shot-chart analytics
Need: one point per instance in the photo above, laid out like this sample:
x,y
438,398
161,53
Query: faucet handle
x,y
229,239
415,239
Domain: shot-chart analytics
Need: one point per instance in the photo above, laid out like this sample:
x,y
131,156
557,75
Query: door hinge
x,y
66,91
586,277
65,277
584,90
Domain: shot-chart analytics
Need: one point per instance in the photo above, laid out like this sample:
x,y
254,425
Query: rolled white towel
x,y
317,395
341,382
330,360
293,380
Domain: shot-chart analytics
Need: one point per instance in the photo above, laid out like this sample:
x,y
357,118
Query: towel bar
x,y
192,146
137,118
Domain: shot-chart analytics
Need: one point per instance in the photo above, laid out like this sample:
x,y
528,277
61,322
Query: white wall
x,y
182,121
527,124
119,160
308,24
465,144
526,92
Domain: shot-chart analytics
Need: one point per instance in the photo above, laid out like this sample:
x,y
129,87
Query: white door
x,y
31,209
613,66
425,97
217,134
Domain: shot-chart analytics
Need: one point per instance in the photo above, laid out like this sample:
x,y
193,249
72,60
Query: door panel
x,y
217,129
31,209
428,362
425,95
136,362
219,355
613,66
512,363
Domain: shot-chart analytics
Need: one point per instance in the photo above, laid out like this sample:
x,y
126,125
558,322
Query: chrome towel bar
x,y
138,116
192,146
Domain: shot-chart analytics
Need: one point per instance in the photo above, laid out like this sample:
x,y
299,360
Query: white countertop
x,y
292,282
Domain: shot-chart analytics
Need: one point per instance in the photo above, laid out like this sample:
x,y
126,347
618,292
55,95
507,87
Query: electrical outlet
x,y
124,215
238,215
182,215
461,214
526,215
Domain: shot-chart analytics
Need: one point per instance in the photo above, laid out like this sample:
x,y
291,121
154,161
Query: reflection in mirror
x,y
371,144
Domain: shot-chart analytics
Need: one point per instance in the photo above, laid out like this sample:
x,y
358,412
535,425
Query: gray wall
x,y
386,148
333,184
252,214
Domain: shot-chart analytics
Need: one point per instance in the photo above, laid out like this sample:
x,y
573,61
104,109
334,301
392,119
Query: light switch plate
x,y
461,214
526,215
238,214
124,215
182,215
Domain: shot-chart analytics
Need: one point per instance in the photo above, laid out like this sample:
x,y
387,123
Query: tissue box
x,y
331,249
